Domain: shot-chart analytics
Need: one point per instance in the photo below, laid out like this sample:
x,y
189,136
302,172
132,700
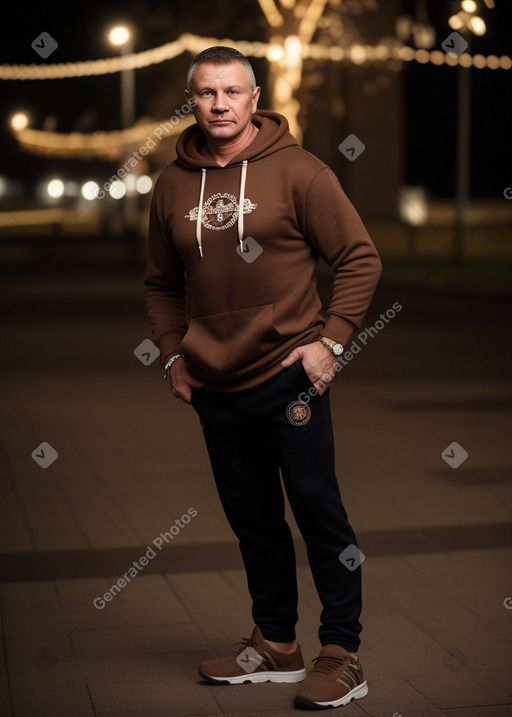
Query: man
x,y
237,223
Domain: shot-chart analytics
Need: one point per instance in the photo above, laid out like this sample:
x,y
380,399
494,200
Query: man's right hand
x,y
181,381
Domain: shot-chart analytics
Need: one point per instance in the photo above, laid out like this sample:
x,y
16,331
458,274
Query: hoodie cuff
x,y
169,344
339,329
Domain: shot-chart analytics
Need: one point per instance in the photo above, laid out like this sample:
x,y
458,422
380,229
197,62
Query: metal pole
x,y
128,120
127,89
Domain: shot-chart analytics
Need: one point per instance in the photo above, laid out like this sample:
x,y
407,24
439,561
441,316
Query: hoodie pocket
x,y
233,343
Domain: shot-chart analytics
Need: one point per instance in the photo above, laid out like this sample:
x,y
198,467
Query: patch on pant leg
x,y
298,413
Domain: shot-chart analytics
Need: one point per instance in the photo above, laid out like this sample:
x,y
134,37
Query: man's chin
x,y
227,128
224,130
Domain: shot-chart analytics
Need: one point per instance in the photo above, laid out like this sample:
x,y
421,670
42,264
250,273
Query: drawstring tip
x,y
200,252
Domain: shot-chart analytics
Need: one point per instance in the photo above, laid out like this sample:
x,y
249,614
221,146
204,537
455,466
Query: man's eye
x,y
205,93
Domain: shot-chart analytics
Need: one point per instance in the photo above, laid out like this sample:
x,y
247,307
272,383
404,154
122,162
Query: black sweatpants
x,y
252,442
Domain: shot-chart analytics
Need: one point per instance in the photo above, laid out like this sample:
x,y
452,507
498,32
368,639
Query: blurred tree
x,y
292,24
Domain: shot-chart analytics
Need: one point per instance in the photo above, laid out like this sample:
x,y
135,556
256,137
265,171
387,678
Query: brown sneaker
x,y
335,680
255,661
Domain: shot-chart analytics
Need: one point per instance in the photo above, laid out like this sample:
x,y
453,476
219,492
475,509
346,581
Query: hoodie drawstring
x,y
200,213
241,200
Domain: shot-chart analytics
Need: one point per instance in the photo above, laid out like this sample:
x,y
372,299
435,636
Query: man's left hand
x,y
319,364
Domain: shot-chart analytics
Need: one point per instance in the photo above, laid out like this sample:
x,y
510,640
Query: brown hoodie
x,y
235,291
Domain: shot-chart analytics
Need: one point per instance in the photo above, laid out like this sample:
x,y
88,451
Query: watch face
x,y
337,349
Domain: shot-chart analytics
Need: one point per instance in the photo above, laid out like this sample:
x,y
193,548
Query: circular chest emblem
x,y
220,211
298,413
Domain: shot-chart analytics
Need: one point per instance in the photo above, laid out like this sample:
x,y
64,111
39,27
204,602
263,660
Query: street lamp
x,y
465,22
19,121
120,36
55,188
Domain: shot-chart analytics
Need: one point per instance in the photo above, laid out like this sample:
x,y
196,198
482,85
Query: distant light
x,y
358,54
382,52
479,61
468,5
19,121
422,56
403,27
336,53
456,22
90,190
413,206
119,35
275,53
293,50
117,189
144,184
3,186
437,57
477,25
55,188
424,35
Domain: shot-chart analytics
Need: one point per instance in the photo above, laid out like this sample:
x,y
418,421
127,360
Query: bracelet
x,y
170,363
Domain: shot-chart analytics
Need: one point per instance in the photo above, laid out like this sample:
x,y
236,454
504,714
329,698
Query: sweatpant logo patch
x,y
298,413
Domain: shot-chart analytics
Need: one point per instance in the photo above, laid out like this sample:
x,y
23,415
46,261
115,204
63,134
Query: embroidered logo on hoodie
x,y
220,211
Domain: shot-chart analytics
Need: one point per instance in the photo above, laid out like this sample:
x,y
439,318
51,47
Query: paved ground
x,y
437,538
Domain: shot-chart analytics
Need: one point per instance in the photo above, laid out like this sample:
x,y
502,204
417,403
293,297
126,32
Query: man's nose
x,y
220,103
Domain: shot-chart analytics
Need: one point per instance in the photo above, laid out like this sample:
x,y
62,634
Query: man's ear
x,y
255,97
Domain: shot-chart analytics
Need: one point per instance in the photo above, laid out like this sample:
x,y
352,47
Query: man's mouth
x,y
221,123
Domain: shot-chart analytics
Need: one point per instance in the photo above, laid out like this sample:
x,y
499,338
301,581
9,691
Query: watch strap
x,y
334,346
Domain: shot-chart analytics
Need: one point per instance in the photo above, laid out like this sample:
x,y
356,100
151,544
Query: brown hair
x,y
220,55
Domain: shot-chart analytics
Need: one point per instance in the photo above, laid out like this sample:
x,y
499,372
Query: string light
x,y
194,44
110,146
115,145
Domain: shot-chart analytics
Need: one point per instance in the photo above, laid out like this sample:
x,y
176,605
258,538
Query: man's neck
x,y
223,152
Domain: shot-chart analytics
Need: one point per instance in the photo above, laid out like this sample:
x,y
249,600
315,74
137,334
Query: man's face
x,y
225,99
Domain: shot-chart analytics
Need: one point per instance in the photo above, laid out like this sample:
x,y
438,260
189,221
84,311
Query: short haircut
x,y
220,55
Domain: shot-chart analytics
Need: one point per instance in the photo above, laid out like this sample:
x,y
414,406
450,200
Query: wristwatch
x,y
334,346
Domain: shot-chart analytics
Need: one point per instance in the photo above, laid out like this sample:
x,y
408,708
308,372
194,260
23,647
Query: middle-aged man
x,y
237,224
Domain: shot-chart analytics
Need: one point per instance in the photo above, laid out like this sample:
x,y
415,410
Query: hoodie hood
x,y
273,135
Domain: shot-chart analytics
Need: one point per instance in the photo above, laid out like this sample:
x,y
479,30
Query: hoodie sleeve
x,y
165,283
336,231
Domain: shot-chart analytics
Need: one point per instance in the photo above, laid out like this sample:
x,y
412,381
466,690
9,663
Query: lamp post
x,y
120,36
467,23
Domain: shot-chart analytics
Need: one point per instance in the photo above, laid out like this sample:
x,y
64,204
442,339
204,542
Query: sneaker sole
x,y
309,704
255,677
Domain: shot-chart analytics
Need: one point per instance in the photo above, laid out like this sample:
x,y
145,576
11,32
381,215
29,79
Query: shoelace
x,y
245,642
326,665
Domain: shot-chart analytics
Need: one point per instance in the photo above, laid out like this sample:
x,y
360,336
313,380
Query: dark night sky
x,y
431,111
88,104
